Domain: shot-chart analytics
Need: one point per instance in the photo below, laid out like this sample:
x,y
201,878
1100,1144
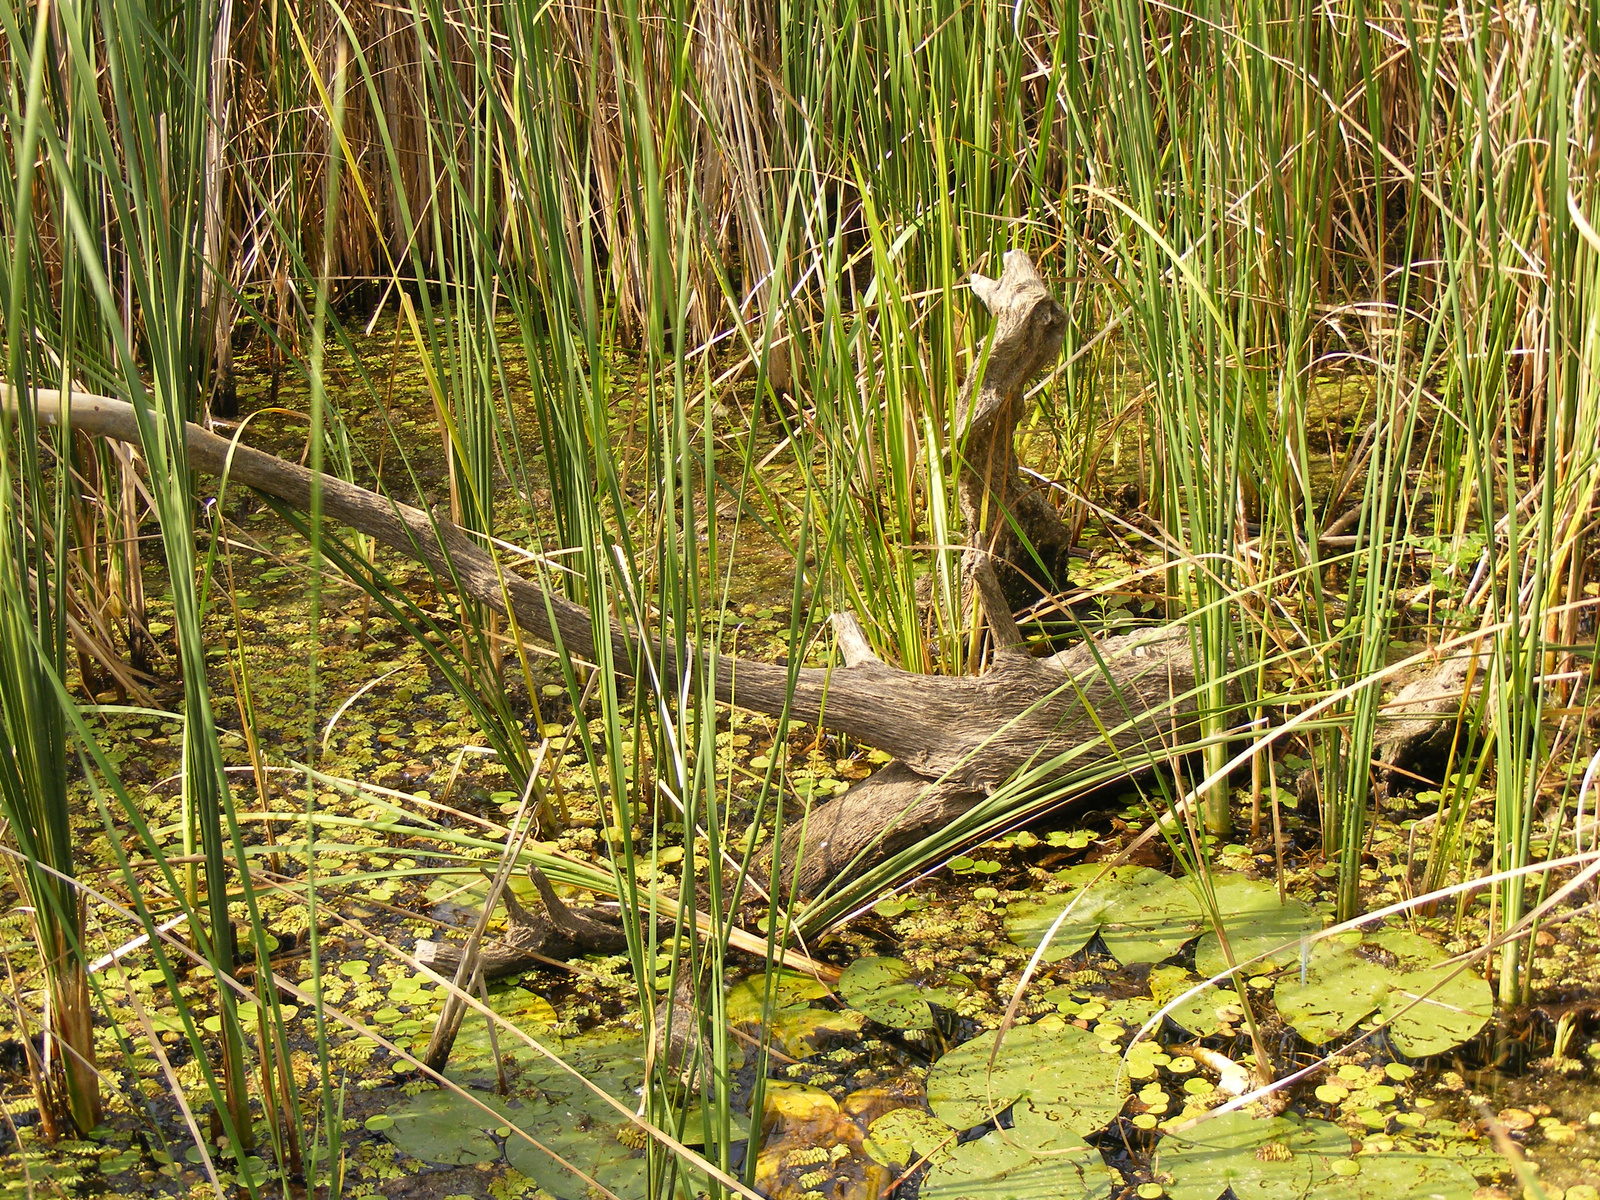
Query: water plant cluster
x,y
667,309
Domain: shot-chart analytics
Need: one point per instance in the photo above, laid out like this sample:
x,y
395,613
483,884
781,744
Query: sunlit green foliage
x,y
672,303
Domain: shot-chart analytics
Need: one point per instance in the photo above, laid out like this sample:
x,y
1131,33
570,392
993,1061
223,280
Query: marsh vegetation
x,y
648,340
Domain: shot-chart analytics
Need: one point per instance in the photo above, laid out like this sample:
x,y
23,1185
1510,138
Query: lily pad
x,y
1399,1174
1270,1158
1095,891
610,1152
802,1032
568,1118
1151,919
443,1127
697,1120
1205,1013
1256,922
748,1000
1005,1165
1067,1074
893,993
1431,1007
901,1137
793,1025
1335,989
1202,1014
473,1051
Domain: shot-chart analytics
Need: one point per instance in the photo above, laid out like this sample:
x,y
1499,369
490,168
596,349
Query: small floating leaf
x,y
892,992
1066,1074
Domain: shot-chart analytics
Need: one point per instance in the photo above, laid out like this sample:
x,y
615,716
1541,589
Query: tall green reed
x,y
665,204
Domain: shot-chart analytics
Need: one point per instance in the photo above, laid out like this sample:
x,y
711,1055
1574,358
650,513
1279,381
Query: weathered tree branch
x,y
974,731
1017,547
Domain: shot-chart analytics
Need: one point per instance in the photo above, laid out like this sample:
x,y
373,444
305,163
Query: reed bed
x,y
1334,334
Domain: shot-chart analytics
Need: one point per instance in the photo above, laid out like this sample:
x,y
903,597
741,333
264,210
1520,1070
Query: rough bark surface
x,y
1013,530
531,939
1421,719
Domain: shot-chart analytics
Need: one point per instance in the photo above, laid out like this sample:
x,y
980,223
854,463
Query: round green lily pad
x,y
1203,1013
1336,988
1271,1158
892,992
1005,1165
1256,922
1151,919
1094,891
1399,1174
610,1152
1067,1074
1431,1007
443,1127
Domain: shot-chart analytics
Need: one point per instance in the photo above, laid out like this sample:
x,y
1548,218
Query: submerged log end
x,y
1422,716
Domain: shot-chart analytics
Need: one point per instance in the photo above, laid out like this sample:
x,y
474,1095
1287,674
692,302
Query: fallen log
x,y
956,738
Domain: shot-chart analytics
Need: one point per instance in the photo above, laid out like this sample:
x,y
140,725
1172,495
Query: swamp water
x,y
886,1077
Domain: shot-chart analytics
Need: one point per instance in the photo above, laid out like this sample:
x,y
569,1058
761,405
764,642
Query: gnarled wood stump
x,y
1017,546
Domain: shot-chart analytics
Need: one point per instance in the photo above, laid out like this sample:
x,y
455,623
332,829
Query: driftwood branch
x,y
1017,545
533,938
971,730
1422,718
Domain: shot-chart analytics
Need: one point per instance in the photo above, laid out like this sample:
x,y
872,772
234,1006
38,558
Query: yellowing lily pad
x,y
901,1137
1068,1076
751,1000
